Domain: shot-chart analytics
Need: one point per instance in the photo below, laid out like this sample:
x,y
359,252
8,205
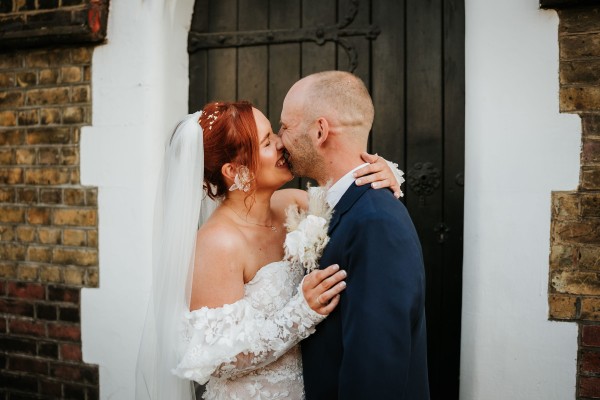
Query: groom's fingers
x,y
315,278
326,310
328,295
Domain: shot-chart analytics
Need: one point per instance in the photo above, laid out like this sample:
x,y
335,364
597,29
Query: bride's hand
x,y
378,173
322,288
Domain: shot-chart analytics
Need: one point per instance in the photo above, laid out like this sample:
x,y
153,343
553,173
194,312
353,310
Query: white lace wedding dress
x,y
249,349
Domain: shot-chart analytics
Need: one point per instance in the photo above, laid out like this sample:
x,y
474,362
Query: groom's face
x,y
295,133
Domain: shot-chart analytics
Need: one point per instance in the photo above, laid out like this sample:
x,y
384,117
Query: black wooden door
x,y
410,53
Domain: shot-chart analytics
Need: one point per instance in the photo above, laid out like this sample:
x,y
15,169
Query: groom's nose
x,y
278,143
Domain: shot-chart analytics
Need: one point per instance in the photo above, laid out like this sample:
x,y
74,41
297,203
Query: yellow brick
x,y
73,115
27,272
25,156
589,257
51,274
12,214
6,157
8,118
49,235
27,195
590,308
11,99
11,176
7,195
48,76
70,155
39,253
74,276
49,116
49,156
48,136
92,238
74,197
25,234
12,252
92,279
47,176
28,117
74,237
27,78
8,270
7,233
7,79
82,55
75,177
50,196
562,306
58,95
87,73
71,74
75,217
11,137
83,257
38,216
80,94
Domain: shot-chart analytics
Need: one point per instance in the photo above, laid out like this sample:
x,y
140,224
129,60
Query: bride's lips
x,y
282,162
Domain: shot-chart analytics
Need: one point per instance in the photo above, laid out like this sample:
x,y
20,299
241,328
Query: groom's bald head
x,y
342,98
325,123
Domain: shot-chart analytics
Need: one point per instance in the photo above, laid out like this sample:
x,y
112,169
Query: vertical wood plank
x,y
222,63
284,61
252,70
198,90
360,44
454,144
424,127
316,58
387,82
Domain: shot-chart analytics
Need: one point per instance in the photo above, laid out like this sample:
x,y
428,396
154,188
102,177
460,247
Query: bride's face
x,y
273,170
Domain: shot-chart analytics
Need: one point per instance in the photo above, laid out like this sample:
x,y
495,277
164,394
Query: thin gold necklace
x,y
273,227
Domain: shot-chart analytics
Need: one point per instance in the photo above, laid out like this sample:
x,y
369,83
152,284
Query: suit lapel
x,y
345,204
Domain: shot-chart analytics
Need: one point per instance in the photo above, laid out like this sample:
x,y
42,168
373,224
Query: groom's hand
x,y
322,288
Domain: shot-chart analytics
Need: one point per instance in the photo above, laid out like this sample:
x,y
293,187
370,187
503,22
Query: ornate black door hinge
x,y
319,35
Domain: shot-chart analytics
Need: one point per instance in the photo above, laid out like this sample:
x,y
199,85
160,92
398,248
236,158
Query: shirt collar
x,y
337,190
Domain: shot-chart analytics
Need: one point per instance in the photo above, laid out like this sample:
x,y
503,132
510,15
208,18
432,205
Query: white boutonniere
x,y
307,230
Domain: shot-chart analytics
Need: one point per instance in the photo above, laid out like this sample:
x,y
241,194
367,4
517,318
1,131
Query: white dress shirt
x,y
335,192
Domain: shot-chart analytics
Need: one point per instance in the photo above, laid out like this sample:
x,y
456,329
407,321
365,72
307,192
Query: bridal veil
x,y
178,209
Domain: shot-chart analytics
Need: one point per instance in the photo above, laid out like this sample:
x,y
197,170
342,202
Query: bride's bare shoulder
x,y
219,234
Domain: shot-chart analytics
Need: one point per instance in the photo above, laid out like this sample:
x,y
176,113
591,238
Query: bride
x,y
229,303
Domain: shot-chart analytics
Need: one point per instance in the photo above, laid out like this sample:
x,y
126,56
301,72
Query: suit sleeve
x,y
382,302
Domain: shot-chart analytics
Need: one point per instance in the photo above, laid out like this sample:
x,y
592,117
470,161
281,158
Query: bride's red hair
x,y
230,136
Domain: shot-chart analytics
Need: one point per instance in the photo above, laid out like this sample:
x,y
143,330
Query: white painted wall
x,y
518,149
140,89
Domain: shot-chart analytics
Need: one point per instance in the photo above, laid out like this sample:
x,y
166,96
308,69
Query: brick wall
x,y
48,223
48,220
574,284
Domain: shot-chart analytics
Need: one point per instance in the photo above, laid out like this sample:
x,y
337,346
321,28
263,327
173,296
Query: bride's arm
x,y
232,338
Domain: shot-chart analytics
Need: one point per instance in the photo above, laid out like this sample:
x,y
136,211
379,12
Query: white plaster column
x,y
139,91
518,149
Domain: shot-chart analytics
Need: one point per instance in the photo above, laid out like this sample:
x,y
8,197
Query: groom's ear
x,y
323,131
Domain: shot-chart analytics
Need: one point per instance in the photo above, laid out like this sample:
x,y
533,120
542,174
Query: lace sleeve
x,y
237,338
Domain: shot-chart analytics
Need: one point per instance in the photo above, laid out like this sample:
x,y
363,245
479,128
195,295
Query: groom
x,y
373,346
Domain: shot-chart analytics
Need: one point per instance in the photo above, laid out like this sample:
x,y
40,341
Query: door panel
x,y
410,54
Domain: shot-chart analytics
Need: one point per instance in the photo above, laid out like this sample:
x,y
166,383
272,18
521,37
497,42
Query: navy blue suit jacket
x,y
374,344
